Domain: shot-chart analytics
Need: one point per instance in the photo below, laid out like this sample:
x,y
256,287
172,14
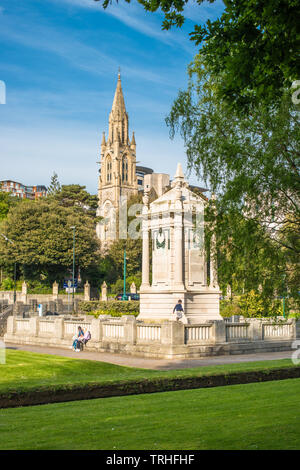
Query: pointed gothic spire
x,y
103,139
119,103
133,139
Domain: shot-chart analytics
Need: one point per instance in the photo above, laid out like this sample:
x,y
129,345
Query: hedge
x,y
130,306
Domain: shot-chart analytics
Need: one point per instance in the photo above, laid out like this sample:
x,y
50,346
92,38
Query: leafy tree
x,y
43,239
113,260
6,202
247,258
252,163
251,49
54,186
133,254
75,195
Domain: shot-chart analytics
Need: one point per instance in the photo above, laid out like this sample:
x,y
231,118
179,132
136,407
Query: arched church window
x,y
108,169
124,169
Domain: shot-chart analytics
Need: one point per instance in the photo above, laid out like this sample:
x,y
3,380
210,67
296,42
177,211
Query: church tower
x,y
118,167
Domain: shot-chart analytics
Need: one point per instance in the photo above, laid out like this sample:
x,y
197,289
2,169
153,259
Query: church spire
x,y
118,167
118,118
119,103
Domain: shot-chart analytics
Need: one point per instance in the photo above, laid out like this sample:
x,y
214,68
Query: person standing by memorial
x,y
178,310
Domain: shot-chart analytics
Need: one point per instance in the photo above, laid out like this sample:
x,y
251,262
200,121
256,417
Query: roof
x,y
144,169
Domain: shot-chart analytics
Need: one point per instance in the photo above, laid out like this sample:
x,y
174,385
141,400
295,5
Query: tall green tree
x,y
114,257
6,202
247,258
252,162
43,239
76,196
54,186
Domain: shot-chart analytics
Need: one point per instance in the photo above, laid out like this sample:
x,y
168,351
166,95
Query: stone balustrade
x,y
46,327
148,333
237,331
196,333
165,339
271,331
113,331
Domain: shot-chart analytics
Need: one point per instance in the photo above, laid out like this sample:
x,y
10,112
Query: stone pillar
x,y
24,293
11,325
145,250
133,288
55,291
129,328
213,277
87,292
34,326
172,333
96,330
59,328
178,242
255,329
297,329
104,292
218,331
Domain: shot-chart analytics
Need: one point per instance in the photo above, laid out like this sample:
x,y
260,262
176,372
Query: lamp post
x,y
73,271
15,266
283,295
124,288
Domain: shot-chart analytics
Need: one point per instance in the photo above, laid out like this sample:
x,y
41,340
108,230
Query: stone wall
x,y
5,312
167,339
40,298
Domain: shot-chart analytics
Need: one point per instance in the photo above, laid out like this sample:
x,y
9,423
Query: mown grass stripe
x,y
121,388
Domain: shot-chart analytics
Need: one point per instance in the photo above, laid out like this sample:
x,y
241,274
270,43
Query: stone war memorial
x,y
175,224
173,229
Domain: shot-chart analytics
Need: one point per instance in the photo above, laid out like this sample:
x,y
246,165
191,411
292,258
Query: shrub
x,y
295,315
251,305
229,308
124,307
7,284
254,305
112,313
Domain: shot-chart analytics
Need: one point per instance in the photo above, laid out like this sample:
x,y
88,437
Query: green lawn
x,y
28,371
253,416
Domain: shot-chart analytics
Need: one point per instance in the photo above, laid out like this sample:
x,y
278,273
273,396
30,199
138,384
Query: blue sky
x,y
59,60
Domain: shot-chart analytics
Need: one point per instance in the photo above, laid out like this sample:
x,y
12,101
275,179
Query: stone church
x,y
119,176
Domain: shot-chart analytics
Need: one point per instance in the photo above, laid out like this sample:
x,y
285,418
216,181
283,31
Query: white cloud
x,y
135,17
74,51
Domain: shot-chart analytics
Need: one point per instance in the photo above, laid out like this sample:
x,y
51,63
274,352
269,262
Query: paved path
x,y
149,363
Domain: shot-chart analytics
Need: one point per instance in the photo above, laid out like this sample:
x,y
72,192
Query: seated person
x,y
83,340
77,338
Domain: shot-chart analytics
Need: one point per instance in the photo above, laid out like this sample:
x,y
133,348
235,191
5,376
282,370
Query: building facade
x,y
22,191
